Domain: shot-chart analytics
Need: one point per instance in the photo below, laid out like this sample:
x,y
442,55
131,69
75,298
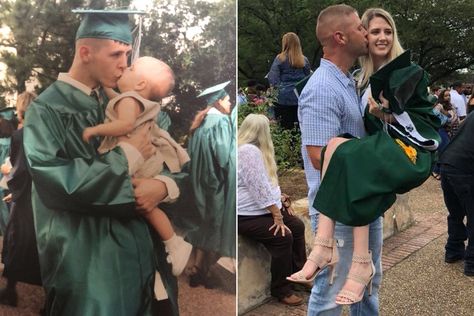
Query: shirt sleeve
x,y
252,172
319,114
274,73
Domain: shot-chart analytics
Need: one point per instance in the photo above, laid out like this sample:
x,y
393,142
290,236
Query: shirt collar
x,y
346,80
213,110
66,77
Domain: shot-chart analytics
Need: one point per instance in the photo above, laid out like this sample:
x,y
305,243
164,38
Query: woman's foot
x,y
360,275
324,254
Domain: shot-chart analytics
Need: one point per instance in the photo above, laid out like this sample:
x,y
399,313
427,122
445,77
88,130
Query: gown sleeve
x,y
68,174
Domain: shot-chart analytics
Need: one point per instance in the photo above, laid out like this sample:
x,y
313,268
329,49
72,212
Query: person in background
x,y
458,99
260,213
289,67
212,150
457,182
20,253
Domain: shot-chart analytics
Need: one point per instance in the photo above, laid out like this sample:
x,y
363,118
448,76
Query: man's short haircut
x,y
457,84
328,17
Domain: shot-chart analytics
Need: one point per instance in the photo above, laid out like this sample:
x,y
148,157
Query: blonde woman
x,y
259,207
289,67
361,176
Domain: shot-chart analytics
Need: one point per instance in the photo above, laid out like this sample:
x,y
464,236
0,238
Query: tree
x,y
437,32
197,39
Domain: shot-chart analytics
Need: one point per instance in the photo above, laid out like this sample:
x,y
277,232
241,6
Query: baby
x,y
145,80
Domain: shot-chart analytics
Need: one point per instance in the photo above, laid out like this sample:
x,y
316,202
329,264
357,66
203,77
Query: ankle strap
x,y
362,258
325,242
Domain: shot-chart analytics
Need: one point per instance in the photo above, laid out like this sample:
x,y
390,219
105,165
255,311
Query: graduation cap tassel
x,y
137,41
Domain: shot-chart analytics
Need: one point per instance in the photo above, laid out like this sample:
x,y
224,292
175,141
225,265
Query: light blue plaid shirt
x,y
328,106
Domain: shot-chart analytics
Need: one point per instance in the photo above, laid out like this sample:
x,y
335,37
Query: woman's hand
x,y
278,225
380,109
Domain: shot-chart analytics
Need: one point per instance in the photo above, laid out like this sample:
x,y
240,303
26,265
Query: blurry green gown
x,y
213,157
96,254
4,212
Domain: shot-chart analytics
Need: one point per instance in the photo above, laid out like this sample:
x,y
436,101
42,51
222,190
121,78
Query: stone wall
x,y
254,259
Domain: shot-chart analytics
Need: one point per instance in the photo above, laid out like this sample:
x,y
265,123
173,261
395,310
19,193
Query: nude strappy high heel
x,y
321,264
346,297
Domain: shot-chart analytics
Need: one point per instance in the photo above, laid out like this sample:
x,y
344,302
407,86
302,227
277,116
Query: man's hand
x,y
141,140
148,194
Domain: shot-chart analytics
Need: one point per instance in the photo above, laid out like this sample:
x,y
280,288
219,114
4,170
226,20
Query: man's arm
x,y
69,175
314,153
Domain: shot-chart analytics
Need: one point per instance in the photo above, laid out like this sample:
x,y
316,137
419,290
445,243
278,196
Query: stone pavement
x,y
416,280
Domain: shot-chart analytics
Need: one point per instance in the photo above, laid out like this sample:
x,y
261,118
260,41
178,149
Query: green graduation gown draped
x,y
96,254
364,175
4,212
212,152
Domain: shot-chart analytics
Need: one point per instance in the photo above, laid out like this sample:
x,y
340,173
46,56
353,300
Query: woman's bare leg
x,y
364,270
325,228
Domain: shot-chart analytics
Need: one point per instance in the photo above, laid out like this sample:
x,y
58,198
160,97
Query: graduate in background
x,y
19,253
212,151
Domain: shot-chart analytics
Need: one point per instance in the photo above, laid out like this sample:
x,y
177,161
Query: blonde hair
x,y
255,130
22,102
291,49
366,63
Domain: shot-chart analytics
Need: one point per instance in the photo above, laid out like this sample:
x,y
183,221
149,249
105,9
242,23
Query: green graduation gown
x,y
212,152
364,175
96,254
4,212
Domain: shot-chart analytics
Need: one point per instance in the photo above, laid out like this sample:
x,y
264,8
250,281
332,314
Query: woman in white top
x,y
259,207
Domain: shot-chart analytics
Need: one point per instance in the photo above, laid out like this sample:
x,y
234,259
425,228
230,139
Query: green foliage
x,y
287,143
199,62
439,33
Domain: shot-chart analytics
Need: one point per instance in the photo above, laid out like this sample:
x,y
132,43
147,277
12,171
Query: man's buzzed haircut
x,y
331,16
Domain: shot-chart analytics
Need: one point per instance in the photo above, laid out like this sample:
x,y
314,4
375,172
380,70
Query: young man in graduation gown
x,y
96,252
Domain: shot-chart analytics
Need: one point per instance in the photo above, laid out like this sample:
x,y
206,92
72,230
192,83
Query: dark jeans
x,y
287,115
288,253
442,146
458,191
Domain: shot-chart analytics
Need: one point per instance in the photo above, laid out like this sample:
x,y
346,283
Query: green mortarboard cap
x,y
106,24
7,113
214,93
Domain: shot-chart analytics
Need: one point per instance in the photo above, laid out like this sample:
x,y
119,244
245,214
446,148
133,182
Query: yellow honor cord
x,y
409,150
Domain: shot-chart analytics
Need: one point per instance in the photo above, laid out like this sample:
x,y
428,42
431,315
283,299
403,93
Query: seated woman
x,y
259,207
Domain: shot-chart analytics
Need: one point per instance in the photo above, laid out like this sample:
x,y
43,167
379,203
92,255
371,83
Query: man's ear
x,y
339,38
85,53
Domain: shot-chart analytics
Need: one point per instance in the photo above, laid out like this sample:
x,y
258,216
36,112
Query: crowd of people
x,y
120,208
355,126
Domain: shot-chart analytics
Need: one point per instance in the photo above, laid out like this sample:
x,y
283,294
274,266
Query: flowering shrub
x,y
287,143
